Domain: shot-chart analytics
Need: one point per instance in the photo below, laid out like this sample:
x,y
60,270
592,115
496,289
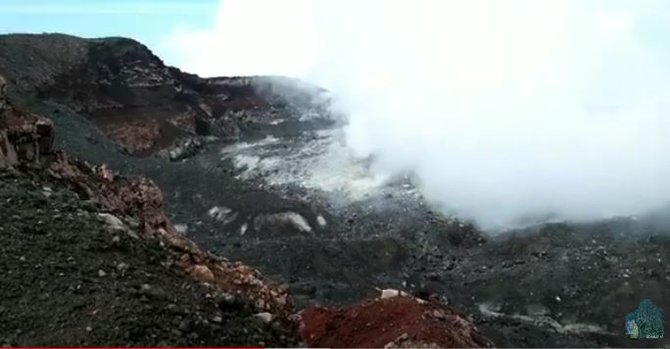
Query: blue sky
x,y
145,20
154,22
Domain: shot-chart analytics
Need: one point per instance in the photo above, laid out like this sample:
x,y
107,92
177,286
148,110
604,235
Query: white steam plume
x,y
503,109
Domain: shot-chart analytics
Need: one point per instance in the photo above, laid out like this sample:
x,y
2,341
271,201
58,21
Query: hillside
x,y
257,170
90,258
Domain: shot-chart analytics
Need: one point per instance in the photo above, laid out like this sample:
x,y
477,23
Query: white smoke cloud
x,y
249,37
503,109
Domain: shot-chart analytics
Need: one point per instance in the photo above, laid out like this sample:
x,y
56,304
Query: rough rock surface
x,y
23,136
396,322
137,101
561,284
112,251
89,249
69,278
30,136
140,198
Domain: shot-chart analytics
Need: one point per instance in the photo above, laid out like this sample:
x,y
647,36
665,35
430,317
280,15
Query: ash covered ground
x,y
288,197
303,210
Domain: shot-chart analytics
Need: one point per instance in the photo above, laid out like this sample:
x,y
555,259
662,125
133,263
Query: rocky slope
x,y
74,276
258,172
137,101
92,259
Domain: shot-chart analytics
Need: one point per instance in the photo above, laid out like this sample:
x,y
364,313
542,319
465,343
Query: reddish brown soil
x,y
136,136
390,322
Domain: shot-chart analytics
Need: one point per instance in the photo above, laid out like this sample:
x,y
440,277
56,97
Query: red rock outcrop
x,y
396,322
23,136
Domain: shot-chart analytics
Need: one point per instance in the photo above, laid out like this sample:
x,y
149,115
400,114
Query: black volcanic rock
x,y
90,258
30,62
139,102
104,246
268,153
72,279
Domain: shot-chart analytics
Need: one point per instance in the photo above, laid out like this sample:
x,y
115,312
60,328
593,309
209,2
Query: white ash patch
x,y
284,219
247,163
252,166
181,228
265,317
490,311
114,222
321,221
243,228
390,293
222,213
321,162
237,147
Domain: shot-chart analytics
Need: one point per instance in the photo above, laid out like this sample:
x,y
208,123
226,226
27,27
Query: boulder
x,y
23,136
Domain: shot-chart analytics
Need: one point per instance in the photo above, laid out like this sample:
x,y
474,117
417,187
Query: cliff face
x,y
137,101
